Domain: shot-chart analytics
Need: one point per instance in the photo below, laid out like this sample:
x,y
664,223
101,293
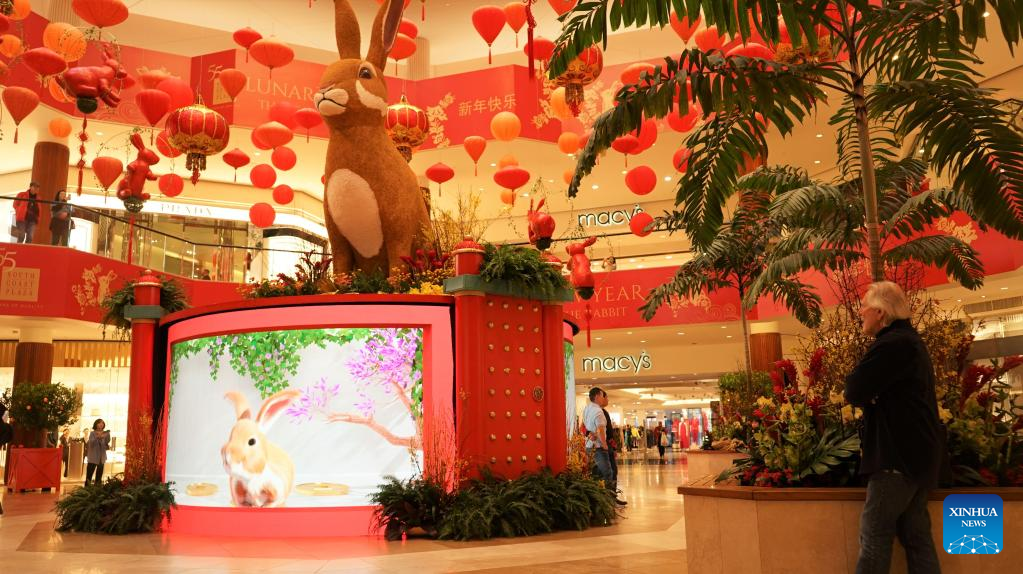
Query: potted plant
x,y
35,410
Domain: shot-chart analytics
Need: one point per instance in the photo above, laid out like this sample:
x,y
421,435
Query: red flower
x,y
1012,362
813,371
975,378
758,413
988,476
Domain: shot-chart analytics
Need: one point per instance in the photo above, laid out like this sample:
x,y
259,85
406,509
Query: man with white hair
x,y
902,440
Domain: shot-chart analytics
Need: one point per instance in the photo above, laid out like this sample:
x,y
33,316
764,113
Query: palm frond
x,y
692,278
952,254
799,298
784,267
919,211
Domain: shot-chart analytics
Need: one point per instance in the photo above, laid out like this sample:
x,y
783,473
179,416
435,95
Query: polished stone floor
x,y
649,538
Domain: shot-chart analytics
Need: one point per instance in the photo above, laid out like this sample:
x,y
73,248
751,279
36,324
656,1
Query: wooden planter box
x,y
710,462
757,530
33,468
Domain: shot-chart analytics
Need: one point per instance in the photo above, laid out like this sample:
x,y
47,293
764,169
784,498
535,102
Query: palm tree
x,y
905,71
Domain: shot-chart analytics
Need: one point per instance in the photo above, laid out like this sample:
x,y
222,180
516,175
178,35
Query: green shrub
x,y
115,507
408,504
522,268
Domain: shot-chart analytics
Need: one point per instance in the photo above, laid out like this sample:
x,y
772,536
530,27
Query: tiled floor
x,y
649,538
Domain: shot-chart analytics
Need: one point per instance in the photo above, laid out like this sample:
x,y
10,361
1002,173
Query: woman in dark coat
x,y
60,220
902,440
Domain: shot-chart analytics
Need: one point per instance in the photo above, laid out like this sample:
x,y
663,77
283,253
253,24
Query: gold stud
x,y
505,306
493,460
507,414
507,392
522,392
536,349
509,460
492,369
520,307
536,329
493,414
536,308
490,324
507,437
522,349
539,458
523,436
493,437
521,328
492,392
507,370
507,326
507,348
523,458
537,371
538,437
490,346
490,303
523,414
522,371
537,413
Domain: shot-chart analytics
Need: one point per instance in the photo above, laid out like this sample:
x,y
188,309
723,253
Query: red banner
x,y
44,281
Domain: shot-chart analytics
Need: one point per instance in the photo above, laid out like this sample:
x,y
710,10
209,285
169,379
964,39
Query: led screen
x,y
295,418
569,390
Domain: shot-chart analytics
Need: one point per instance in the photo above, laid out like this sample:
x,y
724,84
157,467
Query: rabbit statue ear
x,y
346,29
136,140
273,406
241,404
385,30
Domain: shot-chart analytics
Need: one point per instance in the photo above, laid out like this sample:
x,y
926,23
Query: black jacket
x,y
894,385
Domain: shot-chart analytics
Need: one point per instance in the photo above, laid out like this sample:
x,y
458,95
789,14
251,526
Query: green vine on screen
x,y
268,358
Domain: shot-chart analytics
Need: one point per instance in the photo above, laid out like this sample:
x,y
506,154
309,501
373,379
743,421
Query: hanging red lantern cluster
x,y
515,14
581,72
582,276
246,37
407,126
198,132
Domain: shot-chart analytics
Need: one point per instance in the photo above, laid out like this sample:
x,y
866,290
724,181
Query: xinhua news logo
x,y
972,524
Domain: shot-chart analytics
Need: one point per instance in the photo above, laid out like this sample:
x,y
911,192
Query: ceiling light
x,y
599,338
724,326
257,154
525,195
728,336
640,266
632,260
550,181
493,165
959,300
642,340
680,333
983,296
1005,288
99,133
816,162
667,178
628,332
986,14
820,135
667,256
624,172
594,186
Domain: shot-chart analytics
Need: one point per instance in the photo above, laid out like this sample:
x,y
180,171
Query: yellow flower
x,y
786,411
836,399
765,402
847,414
944,414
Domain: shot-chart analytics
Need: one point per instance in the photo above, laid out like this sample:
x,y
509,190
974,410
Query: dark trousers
x,y
60,237
660,450
614,465
28,229
91,468
896,506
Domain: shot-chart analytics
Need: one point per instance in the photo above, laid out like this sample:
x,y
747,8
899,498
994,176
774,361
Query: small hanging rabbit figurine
x,y
130,188
582,276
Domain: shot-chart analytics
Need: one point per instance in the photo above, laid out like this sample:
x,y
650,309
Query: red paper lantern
x,y
511,177
562,7
439,173
515,14
10,45
272,135
508,197
752,50
171,184
236,158
708,39
107,170
63,38
625,145
639,222
581,72
631,74
262,215
506,161
641,180
246,37
151,78
154,105
647,136
402,48
567,176
271,53
568,142
263,176
283,194
308,118
101,13
181,94
475,146
409,28
233,81
198,132
284,113
60,128
505,126
685,28
44,61
683,124
489,21
680,160
283,158
543,49
164,146
407,126
20,103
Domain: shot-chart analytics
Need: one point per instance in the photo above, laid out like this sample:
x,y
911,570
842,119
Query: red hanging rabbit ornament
x,y
582,276
541,226
130,189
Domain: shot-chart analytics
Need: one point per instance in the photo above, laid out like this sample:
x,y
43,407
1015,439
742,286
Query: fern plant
x,y
522,268
115,507
172,298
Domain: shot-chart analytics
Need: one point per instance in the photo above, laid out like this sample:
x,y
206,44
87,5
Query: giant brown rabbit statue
x,y
372,205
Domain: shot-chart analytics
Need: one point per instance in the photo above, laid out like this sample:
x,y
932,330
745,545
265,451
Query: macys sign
x,y
618,364
608,218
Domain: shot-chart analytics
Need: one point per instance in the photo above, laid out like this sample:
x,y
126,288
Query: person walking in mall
x,y
901,440
661,440
65,449
596,438
61,223
96,451
613,448
26,213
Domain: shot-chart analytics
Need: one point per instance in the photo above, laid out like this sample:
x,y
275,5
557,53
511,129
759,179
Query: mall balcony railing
x,y
239,255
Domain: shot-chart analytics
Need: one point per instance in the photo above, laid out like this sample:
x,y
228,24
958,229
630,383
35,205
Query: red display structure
x,y
282,416
33,468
